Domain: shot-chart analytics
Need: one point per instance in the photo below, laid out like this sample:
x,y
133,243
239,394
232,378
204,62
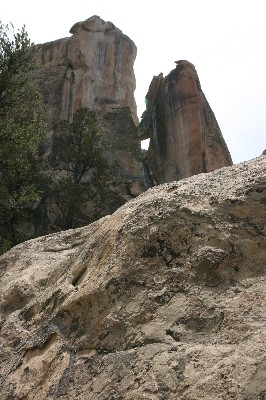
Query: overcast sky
x,y
224,39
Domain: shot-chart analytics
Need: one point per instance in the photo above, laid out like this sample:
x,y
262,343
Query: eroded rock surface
x,y
93,68
185,138
164,299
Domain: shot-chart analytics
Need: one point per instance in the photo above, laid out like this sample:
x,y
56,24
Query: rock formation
x,y
94,69
185,138
164,299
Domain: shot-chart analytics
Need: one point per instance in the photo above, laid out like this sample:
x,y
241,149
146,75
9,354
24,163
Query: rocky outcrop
x,y
185,138
93,68
164,299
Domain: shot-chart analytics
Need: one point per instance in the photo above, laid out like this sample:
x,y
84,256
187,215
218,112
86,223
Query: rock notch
x,y
164,299
185,138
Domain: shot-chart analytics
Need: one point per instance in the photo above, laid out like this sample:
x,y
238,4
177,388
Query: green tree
x,y
22,125
80,190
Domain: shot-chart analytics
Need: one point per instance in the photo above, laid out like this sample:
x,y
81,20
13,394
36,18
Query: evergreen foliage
x,y
74,186
22,125
80,189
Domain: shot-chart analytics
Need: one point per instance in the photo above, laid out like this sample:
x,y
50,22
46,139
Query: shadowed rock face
x,y
164,299
185,138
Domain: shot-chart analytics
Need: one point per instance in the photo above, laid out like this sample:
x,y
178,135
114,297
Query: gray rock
x,y
164,299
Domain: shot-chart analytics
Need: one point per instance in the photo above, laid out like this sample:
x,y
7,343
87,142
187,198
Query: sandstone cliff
x,y
164,299
94,69
185,138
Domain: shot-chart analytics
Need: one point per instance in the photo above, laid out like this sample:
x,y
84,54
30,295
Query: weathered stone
x,y
145,127
185,138
93,68
164,299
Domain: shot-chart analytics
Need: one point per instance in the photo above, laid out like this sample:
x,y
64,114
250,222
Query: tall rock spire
x,y
185,138
93,68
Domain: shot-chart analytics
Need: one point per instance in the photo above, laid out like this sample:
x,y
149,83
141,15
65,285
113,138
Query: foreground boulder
x,y
164,299
185,138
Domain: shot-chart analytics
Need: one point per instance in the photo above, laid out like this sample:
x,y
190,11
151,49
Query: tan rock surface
x,y
185,138
93,68
164,299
